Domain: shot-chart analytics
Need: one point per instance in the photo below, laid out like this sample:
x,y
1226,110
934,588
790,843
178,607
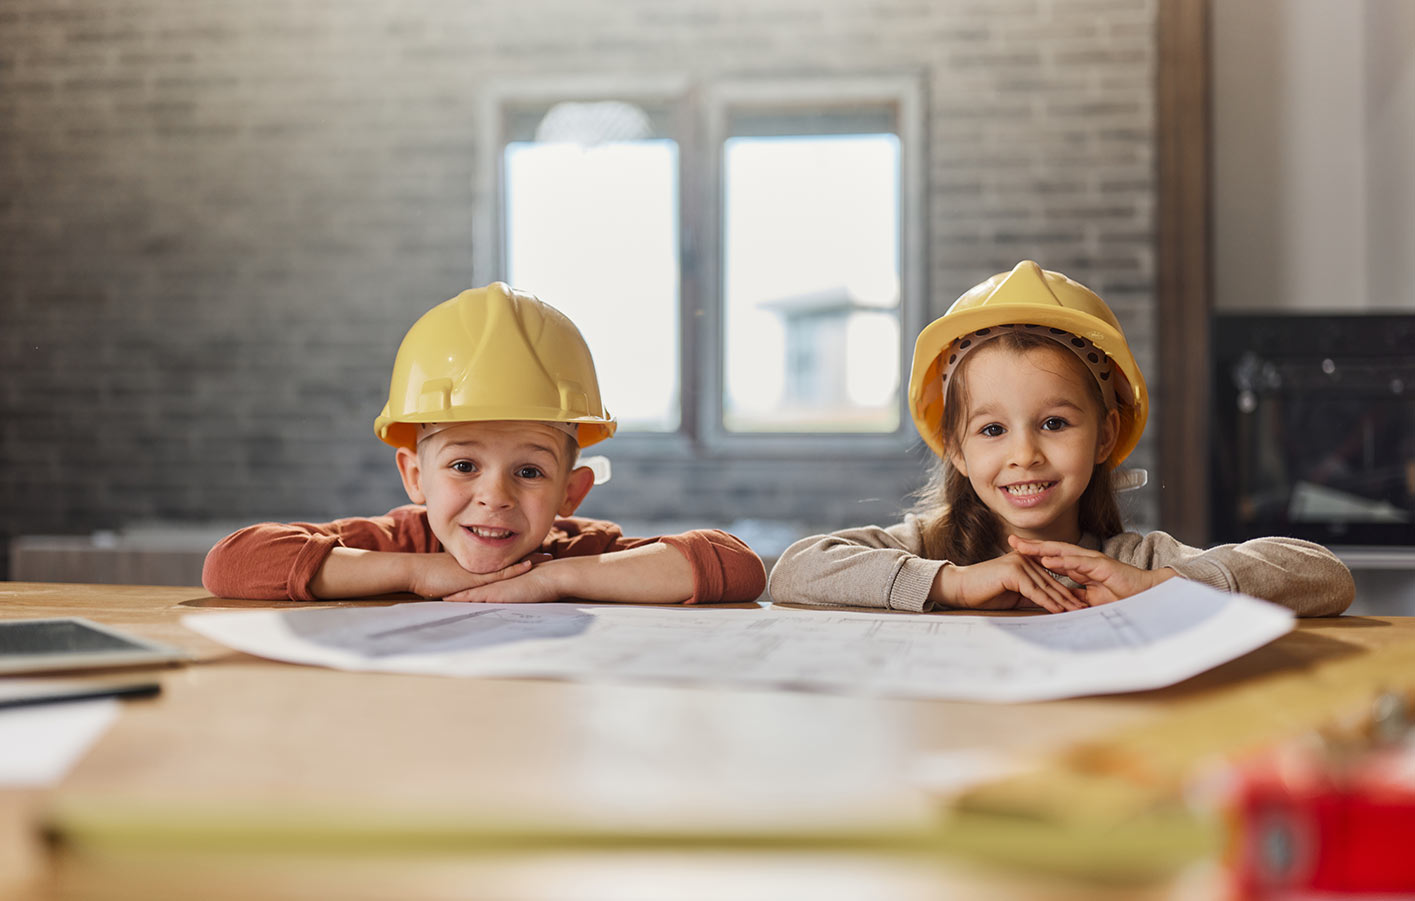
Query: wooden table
x,y
250,778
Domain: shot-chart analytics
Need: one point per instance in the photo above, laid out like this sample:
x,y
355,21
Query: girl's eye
x,y
465,467
1054,424
530,472
991,430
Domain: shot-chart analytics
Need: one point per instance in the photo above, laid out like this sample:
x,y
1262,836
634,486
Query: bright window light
x,y
592,230
811,283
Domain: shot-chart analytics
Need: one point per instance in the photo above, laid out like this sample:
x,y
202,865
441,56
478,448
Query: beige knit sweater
x,y
874,566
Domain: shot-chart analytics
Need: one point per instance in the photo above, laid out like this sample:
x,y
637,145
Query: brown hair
x,y
957,526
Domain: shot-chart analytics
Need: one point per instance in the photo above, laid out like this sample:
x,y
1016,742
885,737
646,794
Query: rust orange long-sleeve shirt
x,y
277,561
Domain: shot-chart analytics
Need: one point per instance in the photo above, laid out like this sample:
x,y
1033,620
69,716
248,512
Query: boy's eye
x,y
1054,424
465,467
529,472
991,430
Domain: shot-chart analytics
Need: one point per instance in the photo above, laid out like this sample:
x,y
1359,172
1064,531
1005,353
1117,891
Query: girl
x,y
1028,393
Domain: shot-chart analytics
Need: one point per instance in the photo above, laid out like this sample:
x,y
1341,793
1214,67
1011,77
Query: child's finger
x,y
1033,548
1106,598
1080,569
1033,545
1057,563
1040,577
1051,599
465,596
1040,597
1042,589
475,592
507,572
1067,596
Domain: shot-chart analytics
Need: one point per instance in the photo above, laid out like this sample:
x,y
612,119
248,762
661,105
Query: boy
x,y
493,395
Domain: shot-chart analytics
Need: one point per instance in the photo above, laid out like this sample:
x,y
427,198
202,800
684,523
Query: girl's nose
x,y
1026,449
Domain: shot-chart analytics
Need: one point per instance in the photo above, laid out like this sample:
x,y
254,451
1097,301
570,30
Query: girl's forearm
x,y
945,586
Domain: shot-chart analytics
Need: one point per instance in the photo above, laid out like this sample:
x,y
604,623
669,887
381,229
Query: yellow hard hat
x,y
493,353
1028,294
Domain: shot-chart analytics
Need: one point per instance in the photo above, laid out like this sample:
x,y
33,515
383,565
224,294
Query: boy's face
x,y
493,489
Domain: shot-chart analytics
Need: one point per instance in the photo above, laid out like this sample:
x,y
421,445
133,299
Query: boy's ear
x,y
1110,434
580,482
411,471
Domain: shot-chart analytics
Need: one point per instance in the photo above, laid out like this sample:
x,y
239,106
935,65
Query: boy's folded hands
x,y
531,581
441,576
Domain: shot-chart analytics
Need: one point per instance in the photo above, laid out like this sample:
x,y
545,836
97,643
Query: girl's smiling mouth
x,y
1028,493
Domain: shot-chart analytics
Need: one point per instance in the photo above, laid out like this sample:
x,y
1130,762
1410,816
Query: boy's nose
x,y
495,493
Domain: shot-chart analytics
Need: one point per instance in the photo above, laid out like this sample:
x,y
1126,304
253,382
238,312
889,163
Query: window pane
x,y
811,283
593,231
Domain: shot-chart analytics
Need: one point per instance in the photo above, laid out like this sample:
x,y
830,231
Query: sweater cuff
x,y
910,590
708,580
307,563
1205,572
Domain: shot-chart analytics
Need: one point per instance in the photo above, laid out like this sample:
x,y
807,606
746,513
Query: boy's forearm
x,y
652,574
353,573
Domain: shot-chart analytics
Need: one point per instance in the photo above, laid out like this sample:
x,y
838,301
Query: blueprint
x,y
1175,630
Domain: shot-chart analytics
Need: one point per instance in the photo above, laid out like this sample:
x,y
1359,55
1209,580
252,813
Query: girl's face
x,y
1031,436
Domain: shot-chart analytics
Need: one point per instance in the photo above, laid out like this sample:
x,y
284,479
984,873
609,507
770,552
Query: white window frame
x,y
701,121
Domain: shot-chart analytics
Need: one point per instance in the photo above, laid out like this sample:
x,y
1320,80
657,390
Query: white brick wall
x,y
217,219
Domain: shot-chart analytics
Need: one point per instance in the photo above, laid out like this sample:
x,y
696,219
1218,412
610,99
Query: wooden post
x,y
1183,268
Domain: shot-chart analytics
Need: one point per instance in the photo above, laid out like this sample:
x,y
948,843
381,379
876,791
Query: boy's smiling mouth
x,y
490,534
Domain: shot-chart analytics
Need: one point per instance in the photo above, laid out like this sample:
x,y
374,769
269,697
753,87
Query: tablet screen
x,y
29,645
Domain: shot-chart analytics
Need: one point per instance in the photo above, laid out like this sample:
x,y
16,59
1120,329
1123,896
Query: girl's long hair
x,y
957,526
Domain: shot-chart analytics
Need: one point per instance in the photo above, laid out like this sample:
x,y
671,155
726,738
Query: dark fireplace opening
x,y
1313,433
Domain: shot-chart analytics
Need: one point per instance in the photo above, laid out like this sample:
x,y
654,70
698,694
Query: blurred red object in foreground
x,y
1310,823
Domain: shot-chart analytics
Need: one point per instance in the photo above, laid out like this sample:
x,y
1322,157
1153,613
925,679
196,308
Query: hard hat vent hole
x,y
436,396
573,397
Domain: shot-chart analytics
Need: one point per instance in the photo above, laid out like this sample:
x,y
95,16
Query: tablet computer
x,y
71,642
43,690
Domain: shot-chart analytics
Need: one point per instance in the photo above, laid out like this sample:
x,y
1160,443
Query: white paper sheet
x,y
39,743
1156,638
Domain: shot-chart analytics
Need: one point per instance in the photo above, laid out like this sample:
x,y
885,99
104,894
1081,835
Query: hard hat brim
x,y
402,431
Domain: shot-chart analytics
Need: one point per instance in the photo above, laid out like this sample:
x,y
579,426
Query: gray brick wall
x,y
216,220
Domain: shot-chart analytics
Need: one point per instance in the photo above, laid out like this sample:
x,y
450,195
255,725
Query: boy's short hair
x,y
572,443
